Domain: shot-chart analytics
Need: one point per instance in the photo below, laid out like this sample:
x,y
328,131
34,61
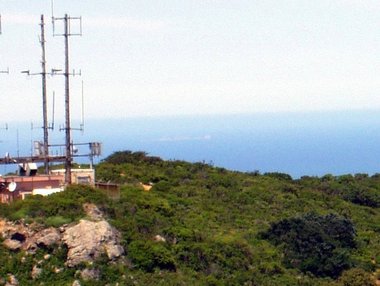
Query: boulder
x,y
90,274
47,237
159,238
42,239
36,272
87,240
12,244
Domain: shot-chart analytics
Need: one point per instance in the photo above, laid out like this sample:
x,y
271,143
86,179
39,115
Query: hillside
x,y
204,225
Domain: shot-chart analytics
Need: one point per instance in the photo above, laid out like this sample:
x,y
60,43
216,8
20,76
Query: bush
x,y
56,221
280,176
364,197
64,206
356,277
217,258
315,243
148,255
122,157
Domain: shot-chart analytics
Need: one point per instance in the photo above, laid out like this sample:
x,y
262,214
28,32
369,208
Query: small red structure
x,y
28,182
18,187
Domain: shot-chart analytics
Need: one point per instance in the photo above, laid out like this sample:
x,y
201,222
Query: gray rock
x,y
36,272
12,280
159,238
47,237
12,244
87,240
90,274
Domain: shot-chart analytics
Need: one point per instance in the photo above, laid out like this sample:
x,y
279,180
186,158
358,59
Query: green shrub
x,y
148,255
364,197
315,243
280,176
64,206
56,221
356,277
217,258
162,186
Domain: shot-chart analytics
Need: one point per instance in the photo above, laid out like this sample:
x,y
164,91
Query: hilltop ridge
x,y
204,225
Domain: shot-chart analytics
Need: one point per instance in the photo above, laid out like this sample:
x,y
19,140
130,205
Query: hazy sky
x,y
174,57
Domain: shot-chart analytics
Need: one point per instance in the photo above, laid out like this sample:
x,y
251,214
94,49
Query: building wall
x,y
27,185
79,176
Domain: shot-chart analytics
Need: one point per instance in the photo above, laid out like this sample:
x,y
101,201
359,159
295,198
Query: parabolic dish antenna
x,y
12,187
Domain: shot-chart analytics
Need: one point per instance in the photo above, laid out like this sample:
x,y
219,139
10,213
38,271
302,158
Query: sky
x,y
189,57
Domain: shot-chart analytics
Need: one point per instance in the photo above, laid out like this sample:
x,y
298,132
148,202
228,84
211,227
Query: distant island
x,y
171,222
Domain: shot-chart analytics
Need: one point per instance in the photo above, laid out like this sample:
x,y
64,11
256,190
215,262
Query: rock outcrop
x,y
86,240
43,239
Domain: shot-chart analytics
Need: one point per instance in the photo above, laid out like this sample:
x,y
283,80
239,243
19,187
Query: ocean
x,y
313,144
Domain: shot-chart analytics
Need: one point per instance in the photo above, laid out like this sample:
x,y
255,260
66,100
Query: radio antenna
x,y
52,15
68,143
82,119
44,97
53,113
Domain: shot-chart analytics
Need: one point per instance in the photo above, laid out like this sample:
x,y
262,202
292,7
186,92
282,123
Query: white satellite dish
x,y
12,187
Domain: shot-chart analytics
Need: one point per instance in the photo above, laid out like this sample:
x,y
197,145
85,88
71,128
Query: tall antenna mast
x,y
44,100
68,145
67,105
43,74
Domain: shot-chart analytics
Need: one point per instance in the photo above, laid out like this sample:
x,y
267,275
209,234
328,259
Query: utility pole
x,y
68,142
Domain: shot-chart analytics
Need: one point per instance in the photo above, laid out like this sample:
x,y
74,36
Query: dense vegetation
x,y
221,227
315,243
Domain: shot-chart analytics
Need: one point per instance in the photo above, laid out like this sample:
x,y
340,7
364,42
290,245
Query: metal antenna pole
x,y
68,142
67,104
44,99
45,127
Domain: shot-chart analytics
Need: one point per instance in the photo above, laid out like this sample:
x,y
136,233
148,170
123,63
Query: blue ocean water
x,y
299,144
